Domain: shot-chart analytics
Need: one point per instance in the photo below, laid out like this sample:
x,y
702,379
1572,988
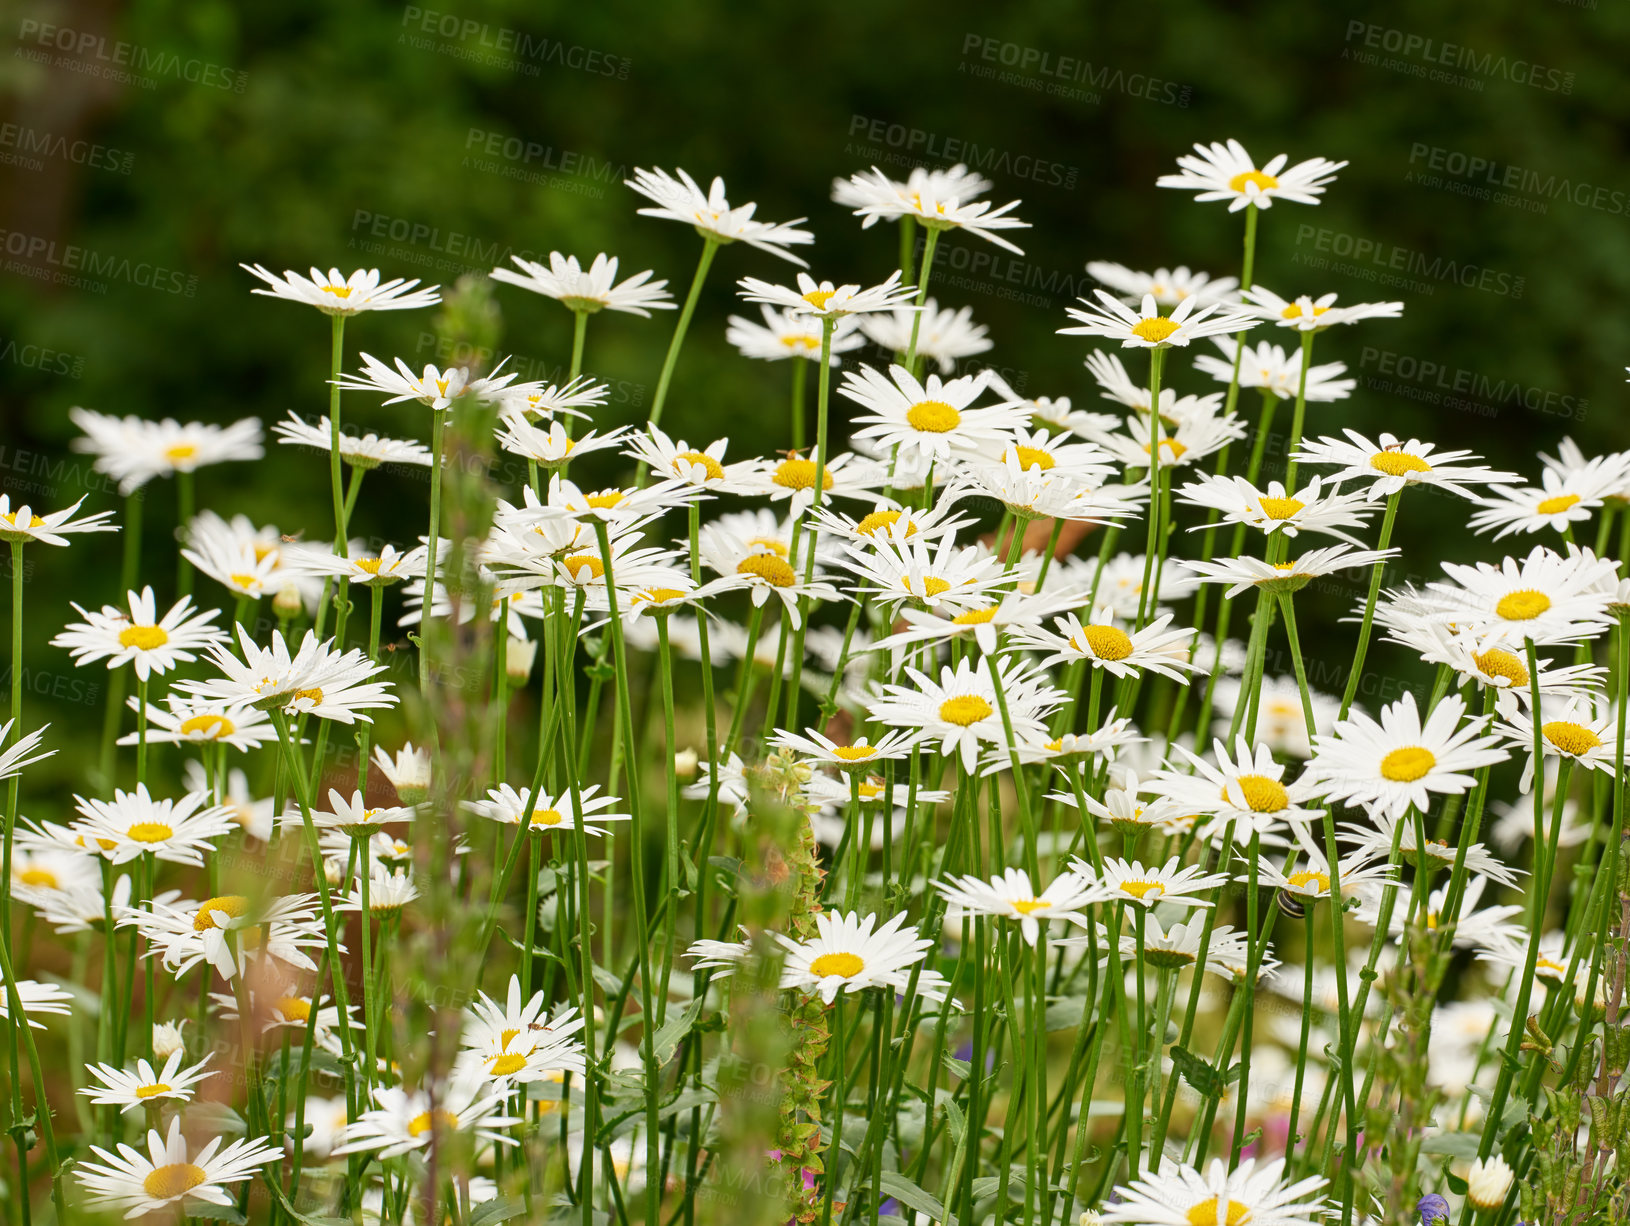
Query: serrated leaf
x,y
958,1068
666,1040
1198,1072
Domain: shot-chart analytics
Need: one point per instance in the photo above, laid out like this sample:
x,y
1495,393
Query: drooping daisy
x,y
364,451
408,771
1392,464
1011,896
792,334
588,290
139,637
1146,327
849,954
1306,314
934,418
934,205
1244,573
133,824
1269,368
1167,286
1390,765
22,526
1575,729
962,708
142,1086
943,336
550,814
710,213
334,294
167,1176
1227,172
1130,881
1101,644
1312,508
403,1121
316,680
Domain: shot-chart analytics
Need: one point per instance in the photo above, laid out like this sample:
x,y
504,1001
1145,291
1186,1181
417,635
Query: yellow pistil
x,y
368,566
314,696
881,521
176,1179
807,343
796,474
965,710
1301,880
1176,448
604,499
1105,642
1523,605
1155,329
975,617
507,1064
1032,457
844,966
778,548
768,567
714,469
180,453
1027,906
854,753
1497,663
1142,889
579,562
818,298
339,291
1281,508
1264,182
547,817
143,638
1398,463
1557,505
42,877
230,905
1233,1213
242,580
293,1008
1407,764
1264,795
152,1091
426,1120
1294,311
149,832
657,595
933,417
932,585
1570,738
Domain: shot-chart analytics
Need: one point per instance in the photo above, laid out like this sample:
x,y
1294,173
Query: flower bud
x,y
518,658
287,602
167,1039
685,762
1488,1182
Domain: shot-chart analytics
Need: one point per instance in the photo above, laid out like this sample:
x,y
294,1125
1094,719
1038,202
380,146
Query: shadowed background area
x,y
148,148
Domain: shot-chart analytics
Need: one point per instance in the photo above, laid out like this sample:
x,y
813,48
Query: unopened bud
x,y
685,763
167,1039
519,656
287,602
1488,1182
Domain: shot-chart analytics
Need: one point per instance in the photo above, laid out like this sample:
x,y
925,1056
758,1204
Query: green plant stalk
x,y
1376,569
1298,414
336,358
670,748
822,403
710,245
1157,361
186,499
930,242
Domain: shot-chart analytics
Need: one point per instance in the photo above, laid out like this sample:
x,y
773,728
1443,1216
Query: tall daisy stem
x,y
709,247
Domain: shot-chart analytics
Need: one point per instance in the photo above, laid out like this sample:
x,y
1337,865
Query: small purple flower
x,y
1432,1208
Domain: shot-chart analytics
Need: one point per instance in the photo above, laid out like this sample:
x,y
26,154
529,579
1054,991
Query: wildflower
x,y
403,1120
363,451
1146,327
944,337
792,334
710,213
167,1176
1130,881
1175,1194
1226,172
582,810
1012,896
333,294
143,1086
22,526
1167,286
851,954
1307,314
588,290
1394,464
933,204
934,418
962,708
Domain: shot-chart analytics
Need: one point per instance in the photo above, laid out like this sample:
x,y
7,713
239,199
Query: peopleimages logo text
x,y
1433,52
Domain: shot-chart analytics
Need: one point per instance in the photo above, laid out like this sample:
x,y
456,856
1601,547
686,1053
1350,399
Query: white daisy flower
x,y
1484,928
1398,762
335,294
133,450
1167,286
1576,729
133,823
1309,879
706,467
1393,464
943,336
139,637
848,758
1193,439
316,680
434,388
937,182
36,998
1545,597
1130,881
404,1120
1244,573
1484,659
167,1176
824,300
364,451
588,290
712,217
934,418
188,722
1101,644
21,525
962,709
1011,896
1247,789
1558,502
570,399
983,623
766,566
1375,838
550,814
408,771
554,447
931,575
934,205
520,1044
1307,314
1146,327
792,334
1227,172
1269,368
850,954
792,480
1313,508
138,1088
351,816
230,932
896,523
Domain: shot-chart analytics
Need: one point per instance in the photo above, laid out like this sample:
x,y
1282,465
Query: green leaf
x,y
499,1209
1199,1073
220,1213
666,1040
958,1068
892,1183
1452,1144
1068,1013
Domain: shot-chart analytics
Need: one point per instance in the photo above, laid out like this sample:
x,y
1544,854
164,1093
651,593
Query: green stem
x,y
709,246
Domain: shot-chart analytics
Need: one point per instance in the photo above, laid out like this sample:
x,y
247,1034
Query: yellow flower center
x,y
844,966
152,1091
657,595
339,291
1238,184
36,876
1142,889
1569,737
212,726
1231,1212
143,638
880,521
964,710
1027,906
1301,880
778,548
1497,663
854,753
714,469
1557,970
1398,463
229,905
1155,329
871,790
149,832
426,1120
1407,764
796,474
368,566
933,417
581,561
547,817
817,298
933,585
1281,508
1105,642
1033,457
768,567
245,581
810,342
293,1008
1264,795
314,695
1176,448
604,499
975,617
1522,606
507,1064
180,453
1294,311
176,1179
1557,505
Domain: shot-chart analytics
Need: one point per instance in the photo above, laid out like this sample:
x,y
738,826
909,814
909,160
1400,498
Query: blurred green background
x,y
163,143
